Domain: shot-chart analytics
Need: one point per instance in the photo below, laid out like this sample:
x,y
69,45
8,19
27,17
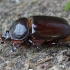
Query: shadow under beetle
x,y
37,30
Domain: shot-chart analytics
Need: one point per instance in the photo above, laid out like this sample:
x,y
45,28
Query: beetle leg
x,y
64,43
15,48
60,43
38,47
38,43
31,42
52,43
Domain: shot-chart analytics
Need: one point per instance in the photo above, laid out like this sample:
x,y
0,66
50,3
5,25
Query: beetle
x,y
39,29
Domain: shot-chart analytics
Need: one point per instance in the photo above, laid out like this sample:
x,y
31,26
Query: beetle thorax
x,y
19,30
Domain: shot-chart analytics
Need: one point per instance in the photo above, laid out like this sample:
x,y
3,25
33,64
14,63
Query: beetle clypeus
x,y
39,29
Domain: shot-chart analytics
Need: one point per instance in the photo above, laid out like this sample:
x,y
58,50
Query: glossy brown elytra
x,y
39,29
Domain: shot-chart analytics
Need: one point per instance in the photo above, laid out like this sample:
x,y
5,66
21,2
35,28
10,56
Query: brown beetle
x,y
39,29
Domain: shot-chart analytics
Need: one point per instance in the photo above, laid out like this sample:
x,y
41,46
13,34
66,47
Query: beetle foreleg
x,y
15,48
7,35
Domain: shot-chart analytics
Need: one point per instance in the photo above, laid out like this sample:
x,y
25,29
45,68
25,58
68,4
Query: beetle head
x,y
6,35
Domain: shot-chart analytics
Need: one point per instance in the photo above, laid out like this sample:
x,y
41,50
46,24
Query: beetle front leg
x,y
17,44
15,48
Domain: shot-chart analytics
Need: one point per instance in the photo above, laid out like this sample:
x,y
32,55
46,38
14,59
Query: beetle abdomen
x,y
49,27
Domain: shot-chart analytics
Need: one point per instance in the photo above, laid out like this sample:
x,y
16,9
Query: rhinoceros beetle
x,y
37,30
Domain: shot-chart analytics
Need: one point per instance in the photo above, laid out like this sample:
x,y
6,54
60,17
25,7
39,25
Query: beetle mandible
x,y
39,29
